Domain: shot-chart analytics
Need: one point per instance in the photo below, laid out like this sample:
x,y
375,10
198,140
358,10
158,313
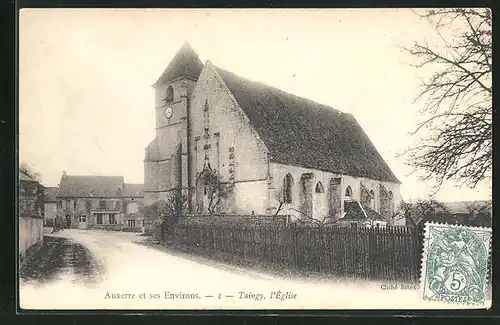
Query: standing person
x,y
55,226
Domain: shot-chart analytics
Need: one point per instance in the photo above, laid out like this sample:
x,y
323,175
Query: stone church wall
x,y
321,208
231,145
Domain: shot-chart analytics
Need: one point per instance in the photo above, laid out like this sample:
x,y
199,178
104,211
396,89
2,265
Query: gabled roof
x,y
50,194
133,190
355,210
185,63
90,186
298,131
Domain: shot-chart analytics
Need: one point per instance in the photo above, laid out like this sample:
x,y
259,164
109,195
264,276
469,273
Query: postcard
x,y
243,159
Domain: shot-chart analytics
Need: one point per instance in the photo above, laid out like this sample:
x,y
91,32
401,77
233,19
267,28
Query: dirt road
x,y
83,269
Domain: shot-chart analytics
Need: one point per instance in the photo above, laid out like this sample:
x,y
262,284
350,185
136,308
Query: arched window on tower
x,y
169,96
348,192
287,188
319,188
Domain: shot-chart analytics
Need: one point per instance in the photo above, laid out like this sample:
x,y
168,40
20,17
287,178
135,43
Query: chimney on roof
x,y
64,175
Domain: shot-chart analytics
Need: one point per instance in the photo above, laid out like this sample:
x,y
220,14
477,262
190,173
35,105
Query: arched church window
x,y
319,188
348,192
391,203
170,94
287,188
372,199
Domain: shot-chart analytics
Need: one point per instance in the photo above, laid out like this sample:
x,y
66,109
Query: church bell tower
x,y
169,165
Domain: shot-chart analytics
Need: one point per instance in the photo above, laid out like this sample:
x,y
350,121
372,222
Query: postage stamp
x,y
455,263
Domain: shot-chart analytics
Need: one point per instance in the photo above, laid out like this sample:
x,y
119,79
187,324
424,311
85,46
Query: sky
x,y
86,104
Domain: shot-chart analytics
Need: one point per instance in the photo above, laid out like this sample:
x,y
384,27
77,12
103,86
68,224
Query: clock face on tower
x,y
168,112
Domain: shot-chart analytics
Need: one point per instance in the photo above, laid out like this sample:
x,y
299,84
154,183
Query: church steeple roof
x,y
185,63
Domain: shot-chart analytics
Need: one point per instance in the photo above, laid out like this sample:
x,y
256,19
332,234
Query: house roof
x,y
185,63
355,210
298,131
90,186
371,214
133,190
50,194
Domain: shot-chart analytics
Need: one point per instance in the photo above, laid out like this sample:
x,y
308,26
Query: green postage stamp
x,y
455,263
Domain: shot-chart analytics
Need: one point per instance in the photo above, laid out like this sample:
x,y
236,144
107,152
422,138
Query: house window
x,y
83,219
131,223
170,94
319,188
117,205
348,192
74,204
59,204
287,188
112,219
99,219
102,204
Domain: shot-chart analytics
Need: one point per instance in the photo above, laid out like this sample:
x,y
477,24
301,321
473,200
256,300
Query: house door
x,y
67,222
82,222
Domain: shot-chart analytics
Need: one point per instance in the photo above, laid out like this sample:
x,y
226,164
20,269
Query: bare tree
x,y
173,208
175,205
419,211
280,197
24,167
150,211
217,191
458,98
307,218
481,213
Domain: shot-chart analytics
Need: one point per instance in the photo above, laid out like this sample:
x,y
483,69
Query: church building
x,y
237,146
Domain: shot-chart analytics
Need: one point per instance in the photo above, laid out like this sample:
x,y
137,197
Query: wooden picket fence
x,y
380,253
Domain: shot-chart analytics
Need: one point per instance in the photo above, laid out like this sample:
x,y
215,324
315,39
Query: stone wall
x,y
31,211
30,235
